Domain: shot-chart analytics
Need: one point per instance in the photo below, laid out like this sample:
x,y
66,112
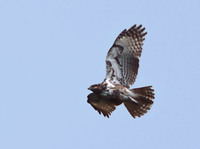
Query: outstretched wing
x,y
122,60
102,105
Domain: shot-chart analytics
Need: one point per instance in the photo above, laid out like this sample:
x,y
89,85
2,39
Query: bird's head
x,y
97,88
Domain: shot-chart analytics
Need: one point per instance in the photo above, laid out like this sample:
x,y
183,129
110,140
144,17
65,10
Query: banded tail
x,y
144,98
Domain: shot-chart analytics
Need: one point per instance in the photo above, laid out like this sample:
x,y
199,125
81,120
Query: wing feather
x,y
122,60
103,105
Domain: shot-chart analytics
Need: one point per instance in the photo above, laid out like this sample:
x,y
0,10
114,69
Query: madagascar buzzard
x,y
122,62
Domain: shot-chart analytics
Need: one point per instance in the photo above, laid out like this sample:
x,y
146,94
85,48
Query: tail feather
x,y
144,97
146,92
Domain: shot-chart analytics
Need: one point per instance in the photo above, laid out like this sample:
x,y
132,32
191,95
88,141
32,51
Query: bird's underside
x,y
122,62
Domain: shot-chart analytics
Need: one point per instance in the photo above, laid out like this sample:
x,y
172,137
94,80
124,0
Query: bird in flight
x,y
122,62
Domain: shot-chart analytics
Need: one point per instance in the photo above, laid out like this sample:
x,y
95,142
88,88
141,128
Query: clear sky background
x,y
52,51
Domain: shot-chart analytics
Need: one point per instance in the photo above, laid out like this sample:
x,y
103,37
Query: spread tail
x,y
144,97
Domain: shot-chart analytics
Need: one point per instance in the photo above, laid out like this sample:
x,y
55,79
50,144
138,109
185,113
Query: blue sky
x,y
52,51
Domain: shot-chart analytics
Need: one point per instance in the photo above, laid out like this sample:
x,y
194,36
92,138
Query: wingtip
x,y
139,27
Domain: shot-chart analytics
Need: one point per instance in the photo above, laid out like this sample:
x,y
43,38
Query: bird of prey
x,y
122,62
